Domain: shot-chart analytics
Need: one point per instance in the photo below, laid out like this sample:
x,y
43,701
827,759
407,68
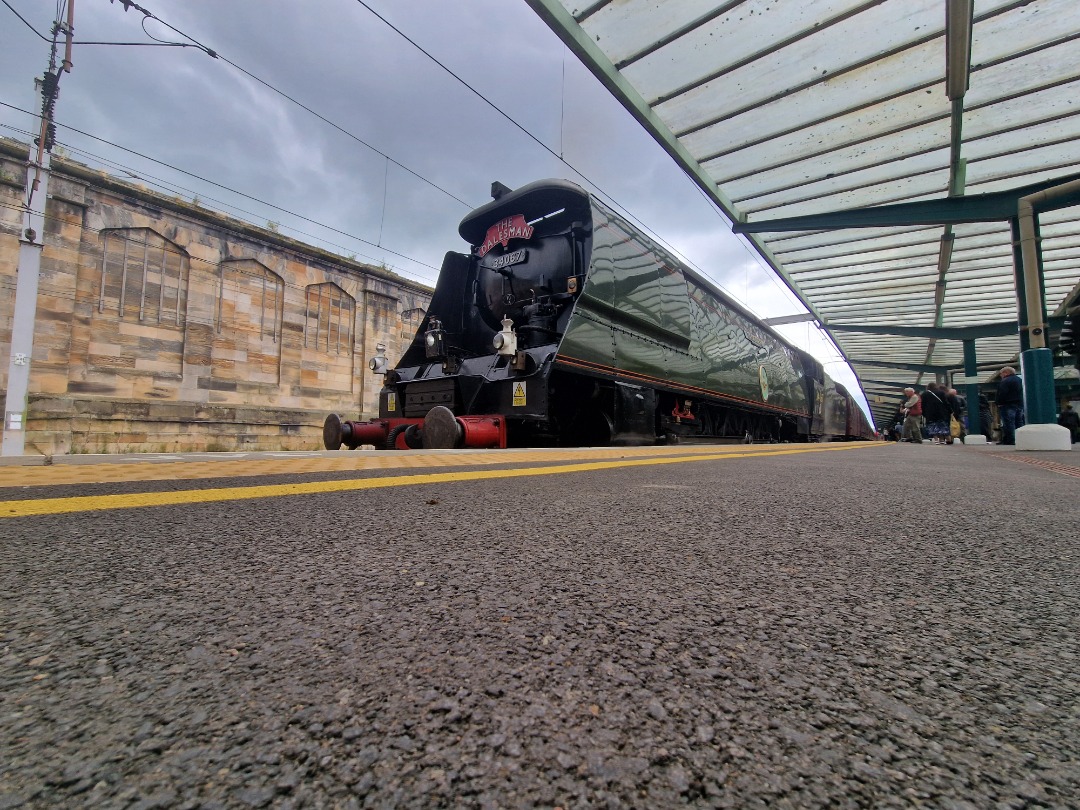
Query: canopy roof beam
x,y
782,320
998,206
922,368
1000,329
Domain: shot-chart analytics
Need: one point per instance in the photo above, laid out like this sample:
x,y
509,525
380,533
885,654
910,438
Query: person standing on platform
x,y
1070,419
912,411
936,412
986,420
958,406
1010,402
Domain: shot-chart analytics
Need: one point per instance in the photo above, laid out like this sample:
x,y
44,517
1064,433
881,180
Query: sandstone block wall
x,y
165,327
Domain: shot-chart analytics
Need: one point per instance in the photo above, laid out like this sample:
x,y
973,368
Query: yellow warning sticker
x,y
391,402
519,394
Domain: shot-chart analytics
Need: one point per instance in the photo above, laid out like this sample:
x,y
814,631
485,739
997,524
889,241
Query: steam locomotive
x,y
566,325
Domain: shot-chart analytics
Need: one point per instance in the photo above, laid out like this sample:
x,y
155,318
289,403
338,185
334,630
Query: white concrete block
x,y
974,438
1043,437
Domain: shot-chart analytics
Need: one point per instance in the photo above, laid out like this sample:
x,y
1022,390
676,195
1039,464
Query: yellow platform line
x,y
93,503
126,472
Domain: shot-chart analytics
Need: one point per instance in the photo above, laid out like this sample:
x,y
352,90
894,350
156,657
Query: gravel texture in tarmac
x,y
888,627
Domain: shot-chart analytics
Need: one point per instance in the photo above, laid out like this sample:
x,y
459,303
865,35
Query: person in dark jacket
x,y
936,411
986,421
1010,402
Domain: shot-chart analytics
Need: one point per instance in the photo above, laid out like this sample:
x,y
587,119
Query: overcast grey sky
x,y
202,115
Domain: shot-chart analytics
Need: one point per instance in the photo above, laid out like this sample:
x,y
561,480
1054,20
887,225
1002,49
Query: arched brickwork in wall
x,y
329,339
140,307
248,323
163,326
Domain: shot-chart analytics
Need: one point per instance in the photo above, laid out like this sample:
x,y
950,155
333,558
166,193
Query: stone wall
x,y
163,326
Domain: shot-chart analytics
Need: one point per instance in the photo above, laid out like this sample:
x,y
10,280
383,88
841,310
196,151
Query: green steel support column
x,y
1040,404
1036,364
1018,279
971,390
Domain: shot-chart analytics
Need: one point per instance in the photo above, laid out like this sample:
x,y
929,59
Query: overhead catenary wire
x,y
24,21
611,199
225,188
213,53
134,44
173,188
181,253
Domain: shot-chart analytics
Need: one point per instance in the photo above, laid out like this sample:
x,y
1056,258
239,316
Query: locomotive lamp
x,y
505,342
435,340
378,363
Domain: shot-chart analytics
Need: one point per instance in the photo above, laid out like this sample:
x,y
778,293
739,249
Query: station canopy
x,y
920,121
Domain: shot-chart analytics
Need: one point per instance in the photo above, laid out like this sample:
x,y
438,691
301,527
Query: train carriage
x,y
567,325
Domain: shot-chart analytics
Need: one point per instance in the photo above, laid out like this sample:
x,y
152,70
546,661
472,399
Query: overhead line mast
x,y
31,242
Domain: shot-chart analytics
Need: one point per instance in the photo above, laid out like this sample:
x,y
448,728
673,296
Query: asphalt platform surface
x,y
888,626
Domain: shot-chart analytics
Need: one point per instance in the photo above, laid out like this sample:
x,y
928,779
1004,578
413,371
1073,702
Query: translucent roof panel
x,y
797,109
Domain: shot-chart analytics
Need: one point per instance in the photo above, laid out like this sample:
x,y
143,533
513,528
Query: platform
x,y
741,626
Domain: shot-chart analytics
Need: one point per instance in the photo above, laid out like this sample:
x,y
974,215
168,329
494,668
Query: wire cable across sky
x,y
213,53
585,178
226,188
24,21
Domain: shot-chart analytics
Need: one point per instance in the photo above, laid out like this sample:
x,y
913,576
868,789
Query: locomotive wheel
x,y
592,428
391,437
331,432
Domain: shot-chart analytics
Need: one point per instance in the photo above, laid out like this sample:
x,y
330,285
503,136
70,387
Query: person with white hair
x,y
912,411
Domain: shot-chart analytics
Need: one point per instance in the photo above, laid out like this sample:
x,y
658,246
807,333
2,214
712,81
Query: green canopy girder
x,y
993,207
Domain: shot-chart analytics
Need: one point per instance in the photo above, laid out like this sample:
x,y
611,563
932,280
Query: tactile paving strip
x,y
132,471
1053,466
91,503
